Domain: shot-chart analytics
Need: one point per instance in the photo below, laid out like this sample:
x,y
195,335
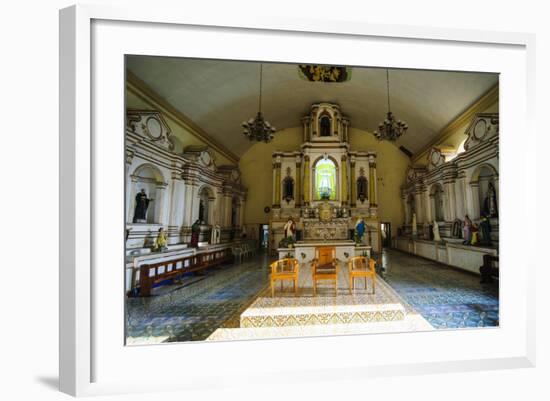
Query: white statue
x,y
435,230
215,235
414,231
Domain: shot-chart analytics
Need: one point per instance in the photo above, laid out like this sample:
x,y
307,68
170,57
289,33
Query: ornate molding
x,y
151,126
483,127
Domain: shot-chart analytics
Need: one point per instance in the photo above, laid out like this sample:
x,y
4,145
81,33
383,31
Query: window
x,y
325,179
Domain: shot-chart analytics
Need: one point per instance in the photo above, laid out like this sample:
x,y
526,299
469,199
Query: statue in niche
x,y
288,186
201,210
142,203
160,241
215,234
360,227
467,229
490,203
435,229
485,228
325,126
362,186
195,231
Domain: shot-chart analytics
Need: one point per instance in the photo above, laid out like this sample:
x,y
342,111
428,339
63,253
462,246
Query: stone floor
x,y
193,309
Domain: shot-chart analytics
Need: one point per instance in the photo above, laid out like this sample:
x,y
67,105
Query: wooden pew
x,y
155,273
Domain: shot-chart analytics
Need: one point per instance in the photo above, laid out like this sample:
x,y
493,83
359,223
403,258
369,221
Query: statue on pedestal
x,y
195,230
467,230
160,241
359,230
485,228
142,203
435,229
290,229
215,235
490,203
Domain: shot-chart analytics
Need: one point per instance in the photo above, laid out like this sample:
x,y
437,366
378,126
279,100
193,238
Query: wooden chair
x,y
284,269
325,267
361,266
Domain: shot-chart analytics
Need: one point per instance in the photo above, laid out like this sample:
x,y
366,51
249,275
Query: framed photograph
x,y
259,201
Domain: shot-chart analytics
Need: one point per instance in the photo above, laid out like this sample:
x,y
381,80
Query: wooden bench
x,y
156,273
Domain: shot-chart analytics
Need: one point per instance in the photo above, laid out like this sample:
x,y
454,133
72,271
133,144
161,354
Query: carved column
x,y
405,207
189,204
451,200
176,203
428,207
345,183
131,191
373,196
161,206
129,187
277,183
228,208
419,208
353,184
307,181
298,183
474,203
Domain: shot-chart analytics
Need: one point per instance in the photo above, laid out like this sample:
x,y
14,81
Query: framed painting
x,y
125,169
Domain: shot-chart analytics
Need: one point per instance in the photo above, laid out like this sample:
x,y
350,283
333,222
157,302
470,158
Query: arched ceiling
x,y
219,95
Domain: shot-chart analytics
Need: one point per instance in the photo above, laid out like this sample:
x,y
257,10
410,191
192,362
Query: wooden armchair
x,y
325,267
284,269
361,266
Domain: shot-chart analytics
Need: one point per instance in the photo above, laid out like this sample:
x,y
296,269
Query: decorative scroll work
x,y
150,125
483,127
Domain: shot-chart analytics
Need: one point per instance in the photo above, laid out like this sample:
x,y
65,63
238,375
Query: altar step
x,y
306,309
411,322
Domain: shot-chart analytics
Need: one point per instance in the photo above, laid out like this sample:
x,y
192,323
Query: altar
x,y
305,251
324,190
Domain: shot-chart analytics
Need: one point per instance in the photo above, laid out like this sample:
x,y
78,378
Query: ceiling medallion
x,y
324,73
258,128
391,128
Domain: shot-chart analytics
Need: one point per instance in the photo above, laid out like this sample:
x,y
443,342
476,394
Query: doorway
x,y
264,236
385,230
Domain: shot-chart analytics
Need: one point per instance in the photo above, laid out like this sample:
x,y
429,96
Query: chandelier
x,y
258,128
390,129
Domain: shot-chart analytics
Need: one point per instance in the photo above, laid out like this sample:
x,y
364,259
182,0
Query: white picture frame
x,y
93,359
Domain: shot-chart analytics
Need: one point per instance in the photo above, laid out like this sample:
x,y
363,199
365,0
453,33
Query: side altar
x,y
324,189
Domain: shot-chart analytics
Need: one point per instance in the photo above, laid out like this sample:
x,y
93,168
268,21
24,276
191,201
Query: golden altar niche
x,y
324,186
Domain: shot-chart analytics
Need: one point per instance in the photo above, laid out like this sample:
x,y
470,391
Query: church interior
x,y
272,200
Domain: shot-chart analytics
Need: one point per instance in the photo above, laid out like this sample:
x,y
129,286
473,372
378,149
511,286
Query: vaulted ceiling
x,y
219,95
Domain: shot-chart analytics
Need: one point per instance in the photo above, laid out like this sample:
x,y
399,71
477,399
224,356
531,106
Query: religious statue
x,y
467,230
490,203
142,203
160,241
360,227
474,234
215,234
290,229
195,230
414,229
485,227
435,229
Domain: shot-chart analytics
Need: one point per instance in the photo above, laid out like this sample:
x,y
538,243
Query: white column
x,y
177,203
474,199
188,206
195,203
428,207
241,213
419,207
451,204
130,201
405,208
459,198
228,209
161,205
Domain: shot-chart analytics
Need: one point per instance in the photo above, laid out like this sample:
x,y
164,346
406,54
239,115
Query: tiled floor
x,y
446,297
194,309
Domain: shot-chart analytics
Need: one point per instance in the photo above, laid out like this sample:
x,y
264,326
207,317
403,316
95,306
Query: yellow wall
x,y
183,137
256,169
257,172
